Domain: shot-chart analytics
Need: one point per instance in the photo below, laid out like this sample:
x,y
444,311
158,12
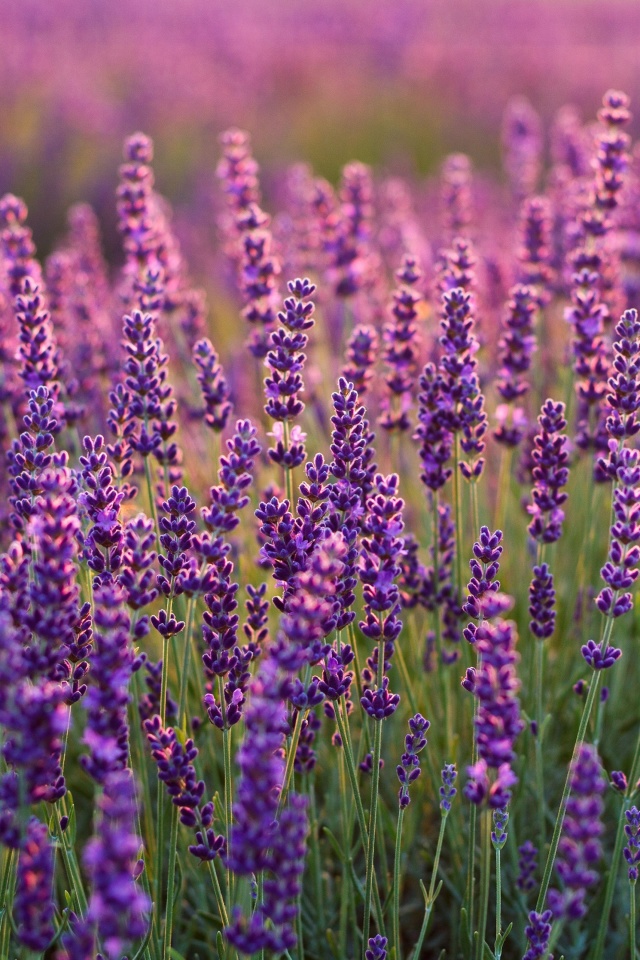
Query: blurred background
x,y
394,83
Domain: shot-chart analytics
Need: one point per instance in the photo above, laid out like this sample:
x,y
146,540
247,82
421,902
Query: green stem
x,y
228,786
375,783
71,866
432,891
184,676
632,920
396,885
485,880
457,506
217,890
538,742
498,949
557,829
173,844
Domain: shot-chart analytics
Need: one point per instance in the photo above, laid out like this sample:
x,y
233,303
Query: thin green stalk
x,y
457,507
603,926
504,483
309,789
7,883
442,674
347,830
228,785
184,675
370,867
538,743
173,844
632,919
557,829
430,897
485,880
498,949
71,865
152,499
218,893
396,885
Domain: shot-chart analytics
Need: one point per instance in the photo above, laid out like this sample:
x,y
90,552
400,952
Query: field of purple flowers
x,y
316,587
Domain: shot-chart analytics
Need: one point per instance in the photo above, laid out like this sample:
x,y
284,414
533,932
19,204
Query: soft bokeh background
x,y
395,83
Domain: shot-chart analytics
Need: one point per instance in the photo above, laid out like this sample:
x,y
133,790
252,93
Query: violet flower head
x,y
286,360
538,933
527,866
102,500
456,183
348,239
623,399
522,146
458,361
550,473
213,385
33,907
516,348
37,351
484,600
535,251
632,847
621,569
542,599
408,769
362,352
579,849
447,791
612,157
435,411
31,456
382,545
16,243
401,343
137,575
377,948
118,908
238,171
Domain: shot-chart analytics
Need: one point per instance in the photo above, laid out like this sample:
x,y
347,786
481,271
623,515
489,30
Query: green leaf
x,y
337,849
220,945
503,936
147,937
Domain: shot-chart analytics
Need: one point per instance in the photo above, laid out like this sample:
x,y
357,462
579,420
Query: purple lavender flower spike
x,y
527,865
632,848
33,906
516,348
286,359
101,499
137,576
118,908
550,473
435,412
213,385
522,146
377,948
447,791
409,768
381,548
579,849
621,569
456,178
400,355
623,399
619,781
31,456
542,598
484,565
362,351
535,252
538,933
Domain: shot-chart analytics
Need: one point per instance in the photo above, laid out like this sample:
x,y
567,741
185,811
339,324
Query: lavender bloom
x,y
286,360
381,548
258,841
456,180
522,146
32,455
213,385
538,933
623,399
498,722
435,412
619,781
409,769
516,348
37,352
447,791
347,241
542,598
632,848
113,662
257,281
377,948
456,268
238,171
17,245
33,906
176,529
499,832
176,770
612,158
484,601
135,209
401,339
458,362
117,908
101,499
136,575
579,849
527,865
362,350
149,703
535,252
620,571
550,473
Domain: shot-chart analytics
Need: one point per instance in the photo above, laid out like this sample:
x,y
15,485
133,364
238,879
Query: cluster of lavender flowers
x,y
138,601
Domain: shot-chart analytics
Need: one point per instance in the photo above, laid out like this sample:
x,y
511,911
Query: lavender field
x,y
320,485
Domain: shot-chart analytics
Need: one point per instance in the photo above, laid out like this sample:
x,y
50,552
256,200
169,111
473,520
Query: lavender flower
x,y
286,360
33,906
632,848
435,413
550,473
538,933
456,180
400,353
623,399
447,791
579,849
409,769
362,350
542,598
522,146
527,865
535,251
377,948
620,571
379,569
516,349
213,385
